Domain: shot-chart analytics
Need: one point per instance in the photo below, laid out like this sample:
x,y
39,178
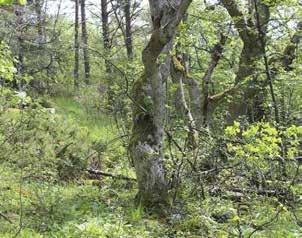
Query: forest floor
x,y
88,208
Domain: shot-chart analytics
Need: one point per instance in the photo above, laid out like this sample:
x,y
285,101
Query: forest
x,y
150,118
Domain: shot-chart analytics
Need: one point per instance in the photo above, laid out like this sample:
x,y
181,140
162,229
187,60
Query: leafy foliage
x,y
238,180
7,68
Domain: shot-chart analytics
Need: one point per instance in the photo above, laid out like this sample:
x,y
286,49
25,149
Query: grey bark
x,y
85,42
202,102
252,95
179,76
262,33
19,12
76,45
195,94
285,61
290,52
146,145
105,33
208,105
38,4
128,29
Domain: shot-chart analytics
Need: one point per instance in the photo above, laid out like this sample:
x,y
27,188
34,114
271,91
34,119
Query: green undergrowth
x,y
70,210
100,125
85,207
84,210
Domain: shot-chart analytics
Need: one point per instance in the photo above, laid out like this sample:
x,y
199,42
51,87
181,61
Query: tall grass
x,y
101,126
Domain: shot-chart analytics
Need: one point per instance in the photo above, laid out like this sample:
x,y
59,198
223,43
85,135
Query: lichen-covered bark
x,y
252,95
179,76
146,145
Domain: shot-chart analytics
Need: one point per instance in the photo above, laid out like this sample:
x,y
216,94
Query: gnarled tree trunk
x,y
252,94
146,145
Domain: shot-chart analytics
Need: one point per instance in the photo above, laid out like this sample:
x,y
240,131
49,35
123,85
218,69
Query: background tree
x,y
85,42
76,45
128,28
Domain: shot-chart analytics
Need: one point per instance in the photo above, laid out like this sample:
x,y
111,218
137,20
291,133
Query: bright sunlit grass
x,y
101,127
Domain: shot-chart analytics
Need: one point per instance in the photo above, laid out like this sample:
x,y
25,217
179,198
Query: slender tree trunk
x,y
202,102
195,100
179,76
38,9
128,31
107,50
85,42
19,12
146,144
207,105
105,32
265,58
76,45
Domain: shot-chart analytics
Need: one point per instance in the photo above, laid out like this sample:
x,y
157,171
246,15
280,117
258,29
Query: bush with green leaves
x,y
7,68
262,141
42,144
264,151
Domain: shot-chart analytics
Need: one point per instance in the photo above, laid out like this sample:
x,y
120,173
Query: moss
x,y
177,64
188,75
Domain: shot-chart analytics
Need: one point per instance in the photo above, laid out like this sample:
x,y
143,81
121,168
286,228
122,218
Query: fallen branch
x,y
5,218
269,193
101,173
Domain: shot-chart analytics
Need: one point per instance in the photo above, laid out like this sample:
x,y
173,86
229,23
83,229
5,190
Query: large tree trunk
x,y
85,42
146,145
286,60
128,30
76,45
250,97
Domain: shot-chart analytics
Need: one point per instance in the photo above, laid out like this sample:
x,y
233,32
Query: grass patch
x,y
101,127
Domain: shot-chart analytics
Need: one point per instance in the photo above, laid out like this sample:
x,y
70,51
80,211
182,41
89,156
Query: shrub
x,y
44,145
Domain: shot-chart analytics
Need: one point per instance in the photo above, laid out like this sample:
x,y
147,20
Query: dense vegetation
x,y
175,118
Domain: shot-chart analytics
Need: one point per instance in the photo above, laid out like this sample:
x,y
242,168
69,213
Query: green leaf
x,y
9,2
